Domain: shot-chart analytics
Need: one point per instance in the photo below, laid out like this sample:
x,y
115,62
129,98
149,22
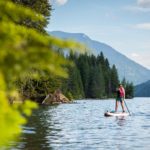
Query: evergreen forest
x,y
89,76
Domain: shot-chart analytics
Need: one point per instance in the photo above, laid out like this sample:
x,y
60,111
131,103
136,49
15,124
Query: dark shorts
x,y
120,99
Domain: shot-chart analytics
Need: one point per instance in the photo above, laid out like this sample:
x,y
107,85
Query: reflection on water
x,y
121,121
34,134
82,126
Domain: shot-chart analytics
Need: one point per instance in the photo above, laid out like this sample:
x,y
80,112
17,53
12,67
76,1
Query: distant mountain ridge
x,y
127,68
142,90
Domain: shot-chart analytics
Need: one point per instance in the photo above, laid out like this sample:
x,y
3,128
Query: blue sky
x,y
122,24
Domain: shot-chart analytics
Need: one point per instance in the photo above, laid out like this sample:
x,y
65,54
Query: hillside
x,y
142,90
127,68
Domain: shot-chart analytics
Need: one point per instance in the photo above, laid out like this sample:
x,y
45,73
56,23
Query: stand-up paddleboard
x,y
111,114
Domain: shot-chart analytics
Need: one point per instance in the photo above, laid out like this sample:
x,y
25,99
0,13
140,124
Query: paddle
x,y
127,107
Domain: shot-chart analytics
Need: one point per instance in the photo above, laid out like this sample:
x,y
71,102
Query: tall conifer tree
x,y
114,79
42,7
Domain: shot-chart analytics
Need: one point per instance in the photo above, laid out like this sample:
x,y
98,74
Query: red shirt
x,y
122,91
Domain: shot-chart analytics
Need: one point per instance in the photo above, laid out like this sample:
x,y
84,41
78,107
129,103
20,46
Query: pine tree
x,y
96,83
129,88
74,83
124,82
42,7
84,69
98,79
106,73
114,79
101,59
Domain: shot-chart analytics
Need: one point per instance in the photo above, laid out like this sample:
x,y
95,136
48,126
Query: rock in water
x,y
55,98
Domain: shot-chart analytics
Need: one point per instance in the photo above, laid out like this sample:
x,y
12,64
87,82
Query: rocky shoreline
x,y
56,98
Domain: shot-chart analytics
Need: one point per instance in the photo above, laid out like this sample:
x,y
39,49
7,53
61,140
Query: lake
x,y
82,126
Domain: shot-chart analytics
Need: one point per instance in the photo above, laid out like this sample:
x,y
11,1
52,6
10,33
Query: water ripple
x,y
82,126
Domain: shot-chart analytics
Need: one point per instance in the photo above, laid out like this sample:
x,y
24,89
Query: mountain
x,y
127,68
142,90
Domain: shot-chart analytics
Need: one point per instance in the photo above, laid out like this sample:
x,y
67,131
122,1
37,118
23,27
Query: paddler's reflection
x,y
121,120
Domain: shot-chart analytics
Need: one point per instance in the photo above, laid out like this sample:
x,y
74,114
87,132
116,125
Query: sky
x,y
122,24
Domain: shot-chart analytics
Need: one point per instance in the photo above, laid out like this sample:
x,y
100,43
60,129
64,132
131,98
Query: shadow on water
x,y
34,136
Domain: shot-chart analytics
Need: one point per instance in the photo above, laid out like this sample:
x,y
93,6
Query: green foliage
x,y
73,85
10,116
96,79
69,95
84,68
96,84
114,79
24,52
42,7
19,13
36,89
129,88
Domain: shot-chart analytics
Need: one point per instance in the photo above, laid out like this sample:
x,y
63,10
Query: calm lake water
x,y
82,126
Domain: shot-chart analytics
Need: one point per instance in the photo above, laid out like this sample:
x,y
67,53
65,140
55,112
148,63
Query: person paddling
x,y
120,97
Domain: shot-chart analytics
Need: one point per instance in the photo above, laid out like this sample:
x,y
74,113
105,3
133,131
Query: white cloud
x,y
143,3
145,26
137,9
141,58
140,6
58,2
61,2
134,55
